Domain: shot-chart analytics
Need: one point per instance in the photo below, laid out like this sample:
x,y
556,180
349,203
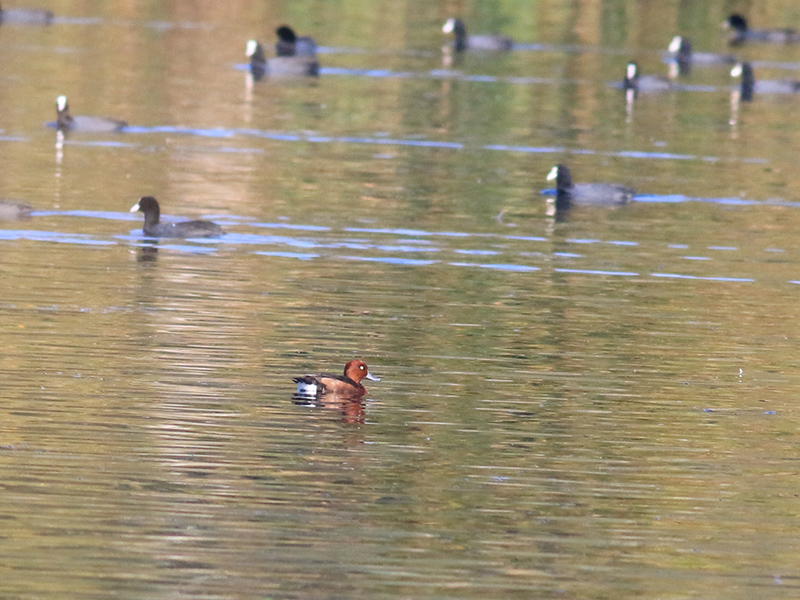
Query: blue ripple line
x,y
298,255
384,142
597,272
679,276
497,266
411,232
438,74
414,232
584,241
392,260
526,238
49,236
186,248
100,143
323,139
619,154
478,252
291,226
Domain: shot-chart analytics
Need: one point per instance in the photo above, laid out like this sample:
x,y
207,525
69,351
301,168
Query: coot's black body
x,y
742,33
185,229
279,66
67,122
644,83
681,52
289,44
750,86
486,42
569,194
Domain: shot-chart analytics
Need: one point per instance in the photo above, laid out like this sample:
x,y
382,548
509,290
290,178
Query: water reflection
x,y
352,410
564,395
147,253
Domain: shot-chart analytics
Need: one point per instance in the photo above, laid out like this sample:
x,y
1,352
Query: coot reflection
x,y
14,210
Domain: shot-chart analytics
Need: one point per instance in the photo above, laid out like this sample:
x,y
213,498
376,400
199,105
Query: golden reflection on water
x,y
603,405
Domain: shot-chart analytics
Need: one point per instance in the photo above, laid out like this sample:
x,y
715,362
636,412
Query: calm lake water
x,y
603,406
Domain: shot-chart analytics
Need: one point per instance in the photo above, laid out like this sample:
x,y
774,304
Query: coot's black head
x,y
562,176
737,22
457,27
149,206
286,34
287,41
747,87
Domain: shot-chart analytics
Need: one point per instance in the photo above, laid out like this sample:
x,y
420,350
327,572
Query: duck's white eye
x,y
553,174
736,71
251,47
61,102
675,44
449,25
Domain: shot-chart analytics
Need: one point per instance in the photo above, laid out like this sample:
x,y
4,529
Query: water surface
x,y
599,406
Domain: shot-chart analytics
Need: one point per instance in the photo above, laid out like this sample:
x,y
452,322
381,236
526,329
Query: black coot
x,y
491,42
644,83
681,52
186,229
279,66
586,194
741,33
66,122
749,85
290,45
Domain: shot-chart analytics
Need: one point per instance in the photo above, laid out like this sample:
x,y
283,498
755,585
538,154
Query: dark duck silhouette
x,y
644,83
279,66
681,52
290,45
569,194
486,42
185,229
742,33
66,122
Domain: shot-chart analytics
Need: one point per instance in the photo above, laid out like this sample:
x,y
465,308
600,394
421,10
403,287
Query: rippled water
x,y
600,406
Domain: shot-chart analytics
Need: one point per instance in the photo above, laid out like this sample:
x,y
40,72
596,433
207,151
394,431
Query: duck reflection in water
x,y
353,410
14,210
148,253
